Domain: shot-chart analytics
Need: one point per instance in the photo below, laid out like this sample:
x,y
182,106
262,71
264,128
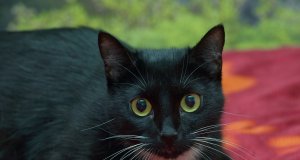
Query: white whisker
x,y
132,137
221,147
149,151
238,147
202,154
209,127
130,84
183,68
144,85
206,132
132,151
190,82
236,114
193,72
214,149
97,125
121,151
137,69
137,153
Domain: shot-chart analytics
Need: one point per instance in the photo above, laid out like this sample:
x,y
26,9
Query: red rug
x,y
262,110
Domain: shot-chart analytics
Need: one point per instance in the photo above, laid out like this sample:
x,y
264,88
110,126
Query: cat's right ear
x,y
115,56
209,50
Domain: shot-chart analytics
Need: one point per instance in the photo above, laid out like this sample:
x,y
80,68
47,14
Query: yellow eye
x,y
141,106
190,102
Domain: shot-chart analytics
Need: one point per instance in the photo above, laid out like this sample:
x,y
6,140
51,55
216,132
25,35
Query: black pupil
x,y
141,105
190,100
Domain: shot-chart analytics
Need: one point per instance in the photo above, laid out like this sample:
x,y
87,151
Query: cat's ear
x,y
115,56
208,51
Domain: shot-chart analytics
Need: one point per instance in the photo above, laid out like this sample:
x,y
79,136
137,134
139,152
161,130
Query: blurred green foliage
x,y
169,23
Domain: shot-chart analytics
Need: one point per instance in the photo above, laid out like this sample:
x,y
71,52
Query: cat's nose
x,y
168,138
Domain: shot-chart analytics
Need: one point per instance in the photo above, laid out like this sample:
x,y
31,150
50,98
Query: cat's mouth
x,y
170,153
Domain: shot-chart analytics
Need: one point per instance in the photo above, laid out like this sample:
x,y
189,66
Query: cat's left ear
x,y
115,55
209,50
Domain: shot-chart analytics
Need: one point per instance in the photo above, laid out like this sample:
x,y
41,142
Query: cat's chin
x,y
189,154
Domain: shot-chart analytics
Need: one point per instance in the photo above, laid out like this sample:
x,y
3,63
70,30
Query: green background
x,y
166,23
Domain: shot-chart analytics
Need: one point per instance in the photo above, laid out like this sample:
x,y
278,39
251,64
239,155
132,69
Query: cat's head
x,y
163,98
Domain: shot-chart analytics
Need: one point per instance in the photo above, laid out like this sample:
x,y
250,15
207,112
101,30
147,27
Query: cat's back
x,y
55,52
47,68
65,42
45,54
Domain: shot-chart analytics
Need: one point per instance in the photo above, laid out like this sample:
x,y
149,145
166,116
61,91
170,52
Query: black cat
x,y
63,97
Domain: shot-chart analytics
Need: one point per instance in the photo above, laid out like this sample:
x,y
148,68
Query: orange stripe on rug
x,y
249,127
234,83
285,144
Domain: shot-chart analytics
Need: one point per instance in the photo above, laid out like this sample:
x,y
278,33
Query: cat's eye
x,y
141,106
190,102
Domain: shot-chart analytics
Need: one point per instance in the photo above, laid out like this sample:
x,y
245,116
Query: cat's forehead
x,y
171,55
162,66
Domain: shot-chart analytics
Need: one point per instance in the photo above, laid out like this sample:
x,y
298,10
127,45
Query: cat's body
x,y
61,99
44,77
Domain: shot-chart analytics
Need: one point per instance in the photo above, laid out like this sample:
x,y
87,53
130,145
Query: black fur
x,y
60,97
